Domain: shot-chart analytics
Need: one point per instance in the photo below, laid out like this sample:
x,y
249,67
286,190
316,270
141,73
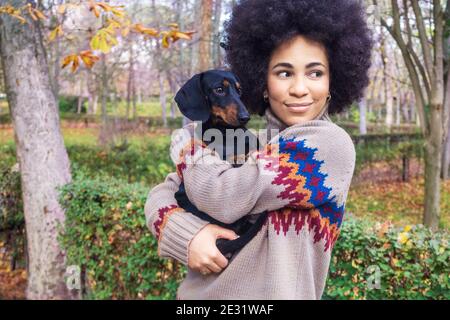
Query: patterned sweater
x,y
301,176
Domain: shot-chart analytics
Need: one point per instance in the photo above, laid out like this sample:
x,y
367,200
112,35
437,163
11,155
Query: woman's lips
x,y
299,107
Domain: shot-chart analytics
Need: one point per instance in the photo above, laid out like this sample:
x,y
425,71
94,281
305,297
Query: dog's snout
x,y
244,119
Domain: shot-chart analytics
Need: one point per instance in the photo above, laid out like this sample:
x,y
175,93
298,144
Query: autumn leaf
x,y
21,19
104,6
35,14
117,12
176,35
104,40
10,10
144,30
88,58
71,59
93,8
113,23
165,40
57,32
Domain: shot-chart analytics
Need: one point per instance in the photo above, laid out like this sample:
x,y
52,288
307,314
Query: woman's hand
x,y
203,255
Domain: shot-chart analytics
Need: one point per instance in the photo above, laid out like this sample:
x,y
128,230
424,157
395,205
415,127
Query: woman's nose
x,y
299,87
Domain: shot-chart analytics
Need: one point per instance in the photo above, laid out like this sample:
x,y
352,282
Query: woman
x,y
298,61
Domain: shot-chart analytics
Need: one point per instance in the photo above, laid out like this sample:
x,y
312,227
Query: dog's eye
x,y
219,91
239,91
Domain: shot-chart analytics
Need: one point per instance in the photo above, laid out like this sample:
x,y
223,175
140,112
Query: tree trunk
x,y
130,82
44,164
362,116
432,177
206,32
162,98
217,60
173,89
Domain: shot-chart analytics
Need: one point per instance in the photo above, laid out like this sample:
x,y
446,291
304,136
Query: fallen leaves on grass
x,y
399,202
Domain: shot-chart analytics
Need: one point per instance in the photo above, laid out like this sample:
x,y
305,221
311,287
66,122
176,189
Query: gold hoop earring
x,y
328,98
266,97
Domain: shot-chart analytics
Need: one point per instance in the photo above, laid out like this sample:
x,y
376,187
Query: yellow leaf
x,y
113,23
407,228
402,237
103,40
55,33
118,13
165,41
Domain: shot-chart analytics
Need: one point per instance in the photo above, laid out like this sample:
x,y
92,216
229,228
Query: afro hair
x,y
258,27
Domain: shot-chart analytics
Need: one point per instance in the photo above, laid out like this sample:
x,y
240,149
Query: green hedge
x,y
106,236
148,165
410,263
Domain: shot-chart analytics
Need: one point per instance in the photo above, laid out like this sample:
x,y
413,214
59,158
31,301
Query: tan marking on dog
x,y
229,114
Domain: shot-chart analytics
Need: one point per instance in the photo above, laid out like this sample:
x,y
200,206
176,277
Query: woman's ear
x,y
191,100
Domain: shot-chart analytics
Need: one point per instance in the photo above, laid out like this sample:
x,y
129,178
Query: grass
x,y
150,108
401,203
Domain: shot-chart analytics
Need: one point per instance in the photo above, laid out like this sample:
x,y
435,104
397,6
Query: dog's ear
x,y
191,100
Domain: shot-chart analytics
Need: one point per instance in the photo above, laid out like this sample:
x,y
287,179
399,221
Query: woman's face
x,y
298,80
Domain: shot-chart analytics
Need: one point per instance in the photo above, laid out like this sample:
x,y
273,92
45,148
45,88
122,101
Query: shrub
x,y
412,263
148,164
106,236
70,104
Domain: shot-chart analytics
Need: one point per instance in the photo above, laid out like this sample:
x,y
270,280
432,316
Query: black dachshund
x,y
213,97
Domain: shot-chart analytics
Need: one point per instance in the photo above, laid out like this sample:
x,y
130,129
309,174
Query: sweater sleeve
x,y
173,227
308,165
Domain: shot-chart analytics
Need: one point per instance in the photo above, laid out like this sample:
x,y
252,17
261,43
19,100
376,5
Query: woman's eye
x,y
318,74
287,72
219,91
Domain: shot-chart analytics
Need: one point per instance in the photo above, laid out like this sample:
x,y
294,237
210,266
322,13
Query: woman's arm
x,y
306,166
171,225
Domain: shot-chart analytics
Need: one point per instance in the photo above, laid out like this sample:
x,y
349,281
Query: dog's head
x,y
213,95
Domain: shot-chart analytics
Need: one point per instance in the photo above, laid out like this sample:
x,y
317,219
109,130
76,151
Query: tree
x,y
206,34
426,71
42,156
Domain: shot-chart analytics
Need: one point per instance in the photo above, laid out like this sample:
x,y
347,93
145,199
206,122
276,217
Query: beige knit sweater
x,y
302,177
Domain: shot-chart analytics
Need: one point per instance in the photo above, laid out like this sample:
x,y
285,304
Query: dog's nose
x,y
244,119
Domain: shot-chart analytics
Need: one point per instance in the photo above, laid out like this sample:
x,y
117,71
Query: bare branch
x,y
423,38
418,63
